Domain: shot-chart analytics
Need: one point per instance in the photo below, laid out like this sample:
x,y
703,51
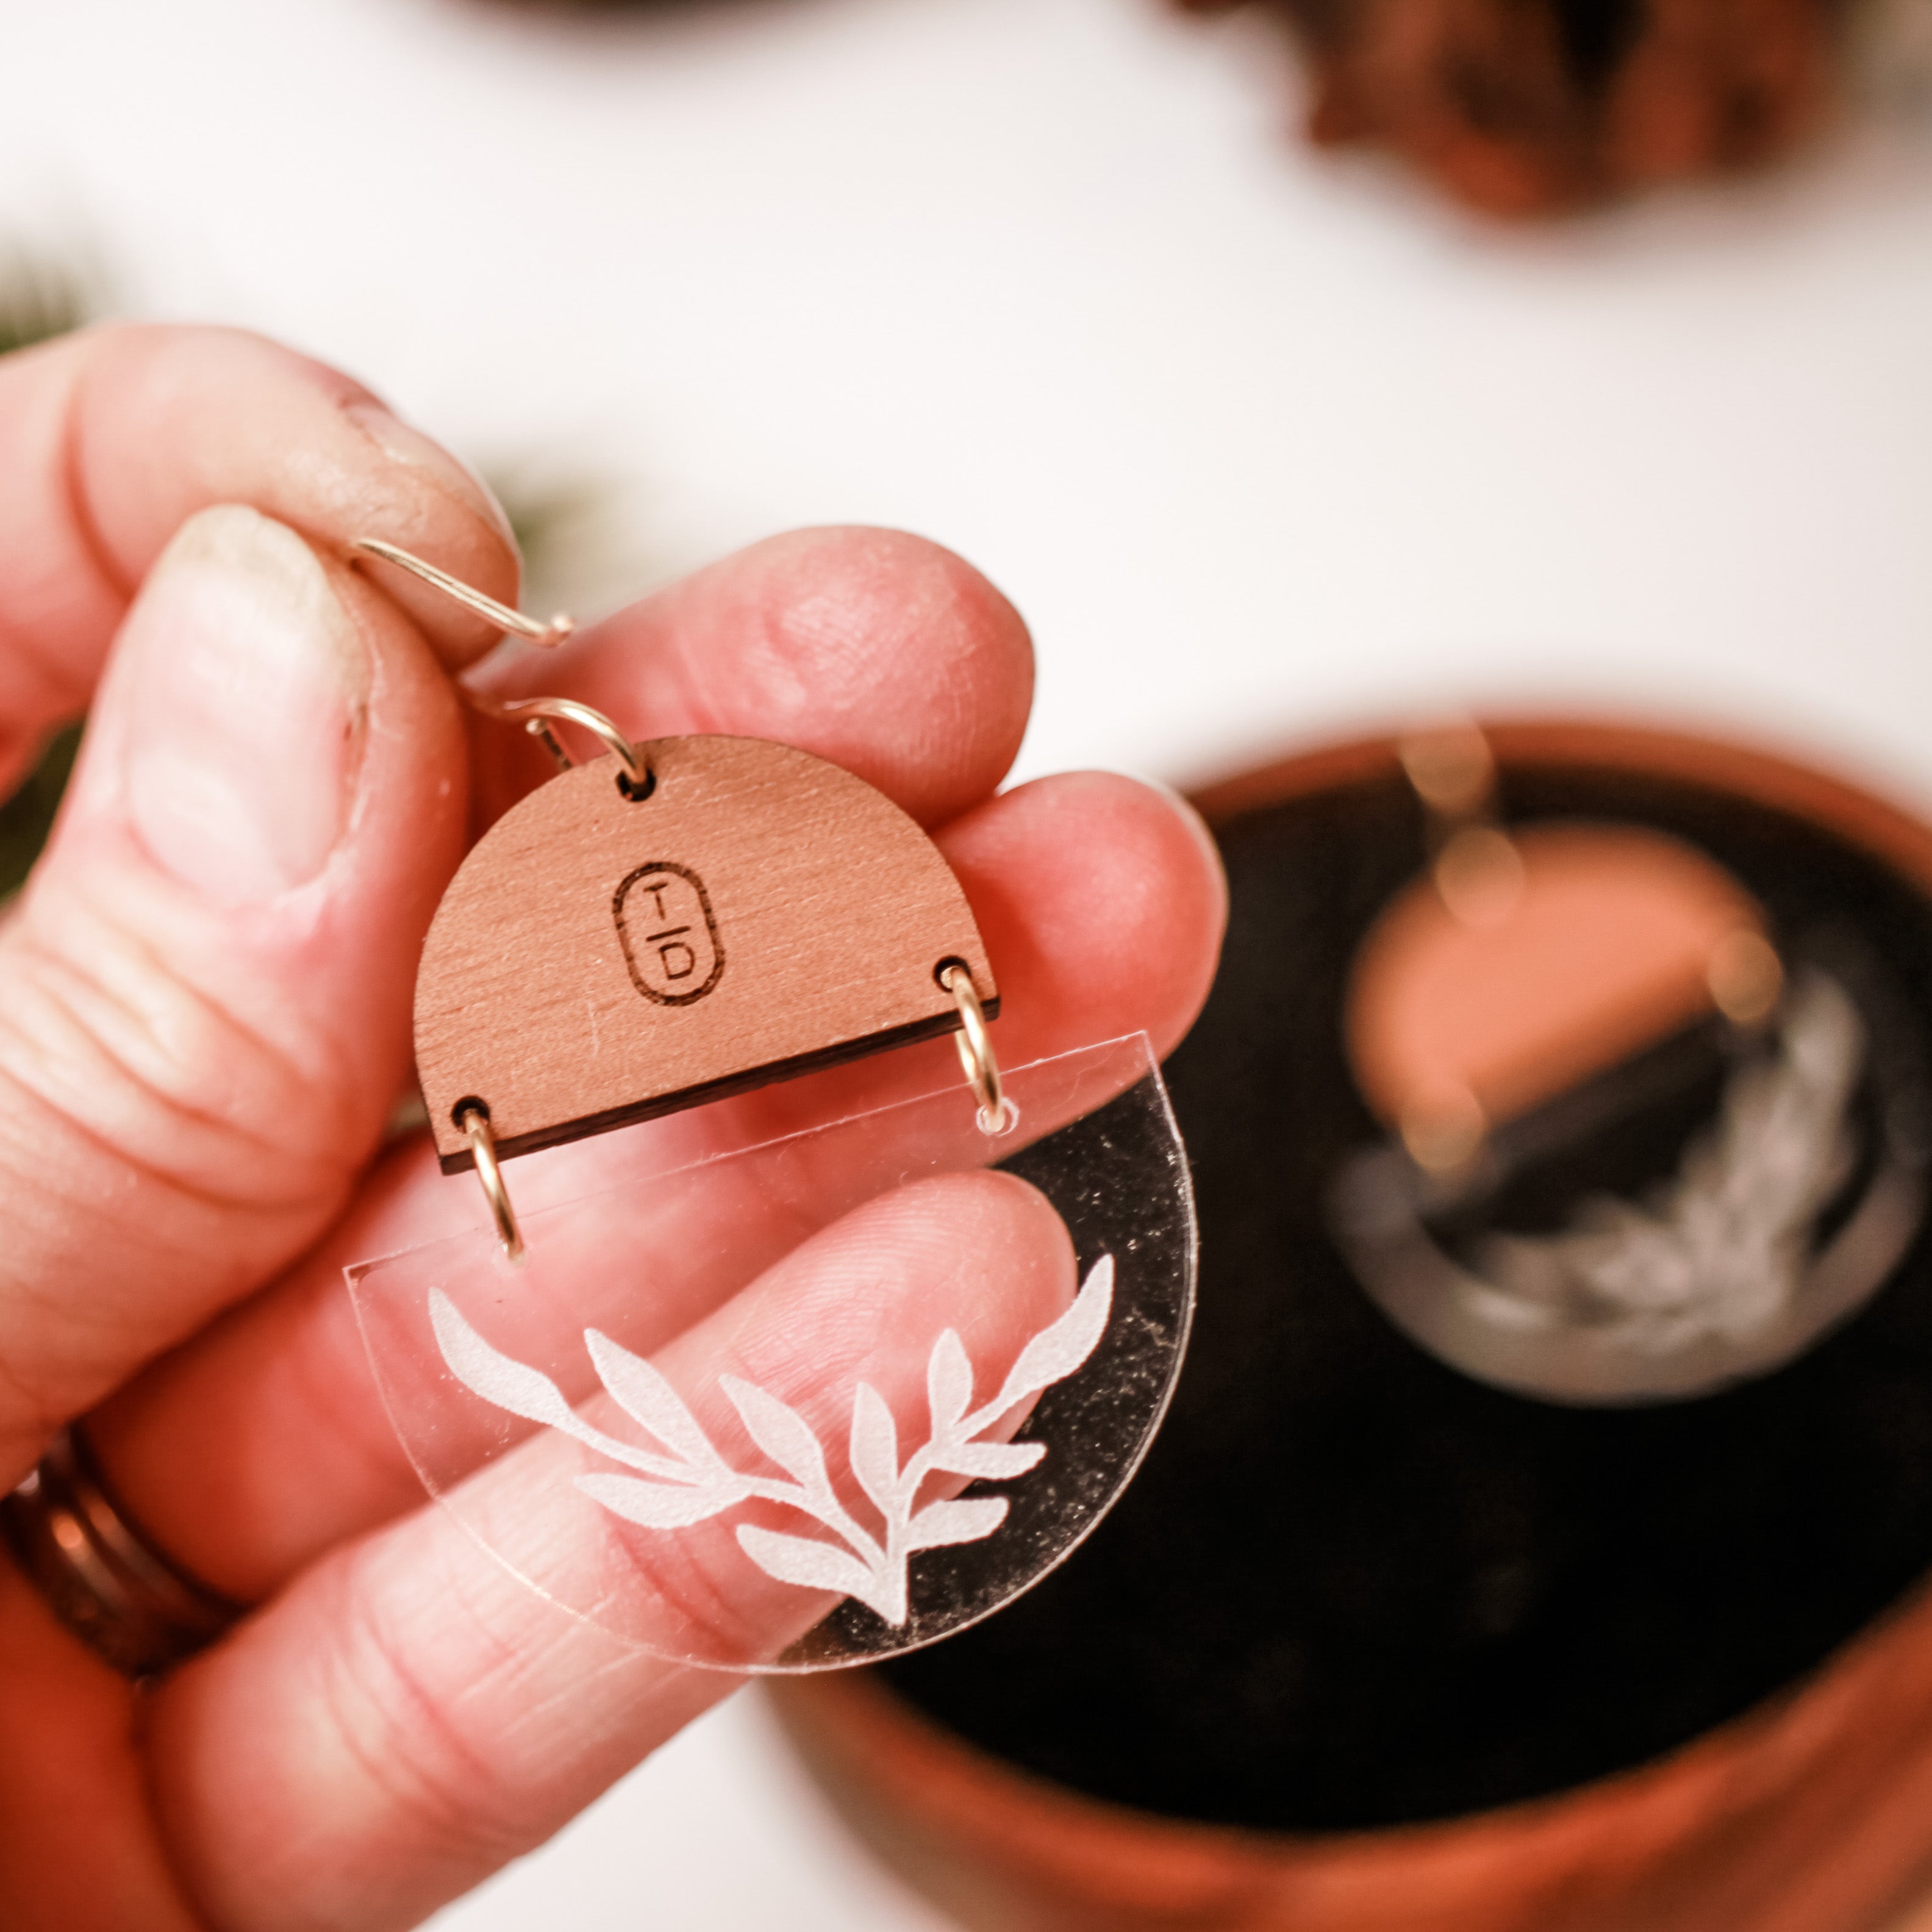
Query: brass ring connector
x,y
532,710
475,1122
998,1114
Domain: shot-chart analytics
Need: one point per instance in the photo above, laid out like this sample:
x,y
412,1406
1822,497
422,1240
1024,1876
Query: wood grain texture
x,y
599,959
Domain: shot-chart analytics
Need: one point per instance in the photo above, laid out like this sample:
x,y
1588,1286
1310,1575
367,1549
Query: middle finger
x,y
880,652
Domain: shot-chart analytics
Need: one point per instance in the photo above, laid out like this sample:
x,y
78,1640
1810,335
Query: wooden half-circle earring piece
x,y
608,952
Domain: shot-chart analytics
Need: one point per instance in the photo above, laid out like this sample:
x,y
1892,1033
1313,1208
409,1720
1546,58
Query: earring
x,y
679,923
1534,997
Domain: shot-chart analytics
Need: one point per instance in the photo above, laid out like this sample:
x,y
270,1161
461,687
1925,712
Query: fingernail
x,y
244,683
402,443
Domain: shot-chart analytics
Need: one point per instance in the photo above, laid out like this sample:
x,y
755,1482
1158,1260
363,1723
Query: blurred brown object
x,y
1809,1810
1471,1004
1808,1816
1523,107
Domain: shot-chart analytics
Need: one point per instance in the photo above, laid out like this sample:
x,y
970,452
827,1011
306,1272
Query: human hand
x,y
204,995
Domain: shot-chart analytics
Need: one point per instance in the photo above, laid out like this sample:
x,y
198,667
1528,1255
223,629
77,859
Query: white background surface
x,y
1263,446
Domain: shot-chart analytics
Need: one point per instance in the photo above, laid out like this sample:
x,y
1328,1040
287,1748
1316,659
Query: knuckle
x,y
444,1793
104,1041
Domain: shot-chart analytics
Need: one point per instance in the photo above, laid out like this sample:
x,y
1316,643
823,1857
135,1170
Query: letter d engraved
x,y
670,938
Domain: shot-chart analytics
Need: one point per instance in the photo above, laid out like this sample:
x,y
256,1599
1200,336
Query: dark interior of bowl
x,y
1353,1588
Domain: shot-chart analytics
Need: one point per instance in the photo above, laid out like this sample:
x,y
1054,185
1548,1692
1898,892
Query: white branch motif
x,y
1724,1248
686,1480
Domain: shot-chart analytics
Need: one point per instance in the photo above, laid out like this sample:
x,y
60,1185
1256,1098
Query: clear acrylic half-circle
x,y
703,1516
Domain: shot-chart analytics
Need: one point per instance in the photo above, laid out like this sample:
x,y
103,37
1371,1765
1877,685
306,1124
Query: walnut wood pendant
x,y
601,957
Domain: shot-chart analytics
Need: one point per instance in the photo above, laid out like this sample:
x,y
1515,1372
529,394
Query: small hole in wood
x,y
636,793
946,966
469,1104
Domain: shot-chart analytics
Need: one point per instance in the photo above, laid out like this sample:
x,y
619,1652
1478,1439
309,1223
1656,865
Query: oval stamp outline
x,y
637,979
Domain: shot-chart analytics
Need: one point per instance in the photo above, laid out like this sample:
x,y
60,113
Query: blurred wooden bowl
x,y
1812,1813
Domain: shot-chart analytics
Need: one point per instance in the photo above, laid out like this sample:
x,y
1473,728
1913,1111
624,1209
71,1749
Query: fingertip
x,y
886,653
224,415
982,1253
1210,868
973,1230
1105,896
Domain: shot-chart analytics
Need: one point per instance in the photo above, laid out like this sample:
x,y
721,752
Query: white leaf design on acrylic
x,y
949,1382
994,1461
523,1391
692,1482
813,1565
646,1397
781,1432
964,1521
1055,1353
874,1446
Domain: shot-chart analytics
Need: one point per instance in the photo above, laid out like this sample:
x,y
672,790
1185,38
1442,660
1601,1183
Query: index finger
x,y
110,439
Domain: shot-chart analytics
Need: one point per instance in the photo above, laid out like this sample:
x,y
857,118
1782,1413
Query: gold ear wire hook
x,y
531,712
548,635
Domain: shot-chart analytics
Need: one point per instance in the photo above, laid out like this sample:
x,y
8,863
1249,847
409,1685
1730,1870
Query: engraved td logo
x,y
670,939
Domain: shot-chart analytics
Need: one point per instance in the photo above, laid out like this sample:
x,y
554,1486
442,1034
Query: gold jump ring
x,y
475,1122
997,1114
510,711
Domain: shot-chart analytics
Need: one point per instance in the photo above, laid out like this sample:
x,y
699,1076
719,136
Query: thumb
x,y
204,994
